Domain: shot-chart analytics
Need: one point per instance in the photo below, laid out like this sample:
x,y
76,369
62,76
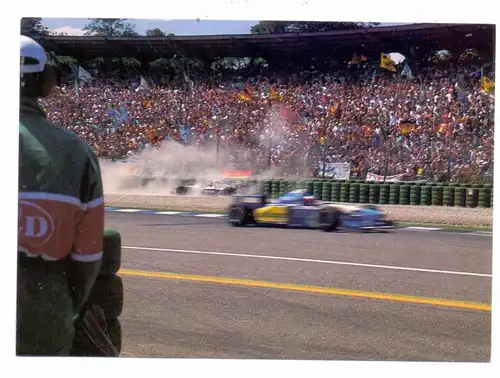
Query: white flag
x,y
142,85
83,75
407,71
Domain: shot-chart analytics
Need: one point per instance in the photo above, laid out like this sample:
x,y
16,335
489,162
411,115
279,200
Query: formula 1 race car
x,y
213,188
298,209
219,188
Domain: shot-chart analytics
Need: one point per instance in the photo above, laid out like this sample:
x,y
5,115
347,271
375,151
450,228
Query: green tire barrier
x,y
359,191
344,192
327,191
448,196
275,189
425,195
336,188
394,194
384,194
472,197
437,196
364,193
318,190
404,195
283,185
354,193
415,195
460,195
374,190
309,186
267,188
484,197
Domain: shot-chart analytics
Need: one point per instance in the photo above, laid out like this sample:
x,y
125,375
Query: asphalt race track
x,y
196,287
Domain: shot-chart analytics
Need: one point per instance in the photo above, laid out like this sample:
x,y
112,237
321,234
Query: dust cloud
x,y
165,166
173,161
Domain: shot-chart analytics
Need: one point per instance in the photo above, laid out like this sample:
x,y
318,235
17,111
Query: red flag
x,y
288,114
441,128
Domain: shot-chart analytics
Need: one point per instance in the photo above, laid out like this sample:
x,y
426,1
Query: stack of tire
x,y
364,193
107,292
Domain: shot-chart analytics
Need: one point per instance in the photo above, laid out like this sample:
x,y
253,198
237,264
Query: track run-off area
x,y
196,287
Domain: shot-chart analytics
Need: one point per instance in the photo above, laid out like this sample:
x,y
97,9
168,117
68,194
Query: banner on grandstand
x,y
380,178
337,171
395,178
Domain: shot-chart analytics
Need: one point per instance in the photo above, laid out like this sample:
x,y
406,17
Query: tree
x,y
441,58
470,56
158,33
110,27
155,33
279,27
67,60
32,26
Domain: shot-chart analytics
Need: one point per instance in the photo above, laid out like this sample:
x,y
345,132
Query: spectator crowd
x,y
434,125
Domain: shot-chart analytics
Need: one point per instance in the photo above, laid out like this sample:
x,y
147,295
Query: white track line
x,y
456,273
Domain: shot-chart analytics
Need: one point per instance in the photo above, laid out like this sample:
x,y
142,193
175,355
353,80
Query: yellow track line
x,y
309,289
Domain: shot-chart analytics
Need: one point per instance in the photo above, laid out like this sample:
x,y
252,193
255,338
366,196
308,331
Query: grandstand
x,y
413,41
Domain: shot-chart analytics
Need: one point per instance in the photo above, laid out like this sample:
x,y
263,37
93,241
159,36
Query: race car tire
x,y
227,192
329,219
115,333
389,223
112,253
181,190
108,294
238,215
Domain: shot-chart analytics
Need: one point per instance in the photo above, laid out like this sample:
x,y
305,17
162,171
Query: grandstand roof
x,y
369,41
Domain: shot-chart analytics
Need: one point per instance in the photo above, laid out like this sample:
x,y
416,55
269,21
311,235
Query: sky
x,y
74,26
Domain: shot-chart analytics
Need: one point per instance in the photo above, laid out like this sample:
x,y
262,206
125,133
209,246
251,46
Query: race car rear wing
x,y
250,198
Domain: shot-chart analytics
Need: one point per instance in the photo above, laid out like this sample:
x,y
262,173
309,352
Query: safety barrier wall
x,y
399,193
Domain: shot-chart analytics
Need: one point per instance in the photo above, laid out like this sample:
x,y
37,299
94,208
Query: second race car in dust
x,y
298,209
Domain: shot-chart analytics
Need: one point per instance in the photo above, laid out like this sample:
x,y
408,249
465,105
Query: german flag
x,y
445,128
407,127
441,128
335,110
332,109
488,85
246,94
273,95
